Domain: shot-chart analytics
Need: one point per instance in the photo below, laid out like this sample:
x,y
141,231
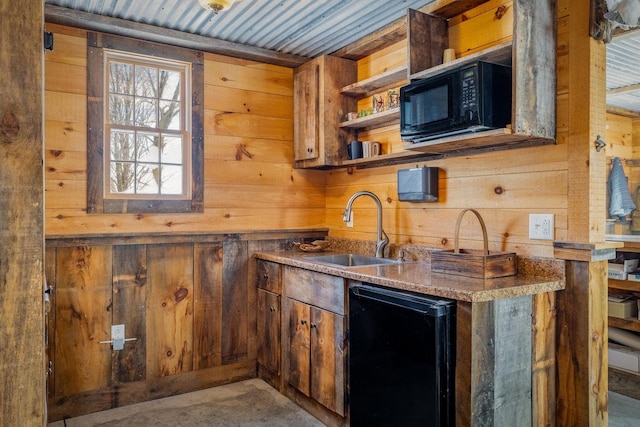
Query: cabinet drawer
x,y
268,276
317,289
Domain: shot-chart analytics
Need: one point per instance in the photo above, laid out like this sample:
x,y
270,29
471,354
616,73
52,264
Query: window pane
x,y
146,112
121,110
169,85
122,178
121,78
171,149
148,147
171,179
169,115
146,81
123,146
147,178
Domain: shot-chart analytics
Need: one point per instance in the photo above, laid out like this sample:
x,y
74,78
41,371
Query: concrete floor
x,y
253,403
247,403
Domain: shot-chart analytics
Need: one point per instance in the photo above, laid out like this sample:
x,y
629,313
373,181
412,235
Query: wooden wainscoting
x,y
187,300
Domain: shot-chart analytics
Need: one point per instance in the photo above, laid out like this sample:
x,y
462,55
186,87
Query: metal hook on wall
x,y
600,143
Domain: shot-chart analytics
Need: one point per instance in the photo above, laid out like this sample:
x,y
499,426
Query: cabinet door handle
x,y
304,322
313,325
265,276
272,309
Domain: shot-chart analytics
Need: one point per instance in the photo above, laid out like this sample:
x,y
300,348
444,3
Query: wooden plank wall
x,y
505,186
250,183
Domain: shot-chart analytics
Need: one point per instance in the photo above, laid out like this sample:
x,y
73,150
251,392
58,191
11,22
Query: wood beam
x,y
623,112
122,27
624,89
22,362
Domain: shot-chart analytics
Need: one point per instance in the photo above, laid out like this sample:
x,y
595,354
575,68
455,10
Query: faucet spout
x,y
381,238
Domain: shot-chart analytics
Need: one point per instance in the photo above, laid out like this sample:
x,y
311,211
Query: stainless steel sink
x,y
350,260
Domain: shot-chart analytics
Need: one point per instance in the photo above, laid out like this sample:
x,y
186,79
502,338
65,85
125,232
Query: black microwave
x,y
469,98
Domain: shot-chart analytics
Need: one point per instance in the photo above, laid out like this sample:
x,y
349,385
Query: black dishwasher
x,y
401,358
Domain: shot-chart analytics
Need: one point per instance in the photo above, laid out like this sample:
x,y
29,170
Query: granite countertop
x,y
416,276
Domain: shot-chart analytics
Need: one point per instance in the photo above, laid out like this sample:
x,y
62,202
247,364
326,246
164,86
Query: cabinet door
x,y
269,330
327,359
298,374
306,106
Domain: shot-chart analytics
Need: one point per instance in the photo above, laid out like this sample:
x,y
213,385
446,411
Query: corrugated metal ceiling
x,y
306,28
310,28
623,72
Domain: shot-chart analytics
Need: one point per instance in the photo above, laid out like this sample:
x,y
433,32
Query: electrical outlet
x,y
541,226
350,222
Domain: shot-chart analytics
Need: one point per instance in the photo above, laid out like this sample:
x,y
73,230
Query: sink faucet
x,y
382,238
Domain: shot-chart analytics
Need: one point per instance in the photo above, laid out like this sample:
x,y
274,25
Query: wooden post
x,y
582,335
581,321
22,364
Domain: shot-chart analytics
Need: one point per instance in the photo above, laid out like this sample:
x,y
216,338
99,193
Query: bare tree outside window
x,y
146,127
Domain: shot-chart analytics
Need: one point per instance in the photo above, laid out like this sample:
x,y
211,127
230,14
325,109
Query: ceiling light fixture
x,y
216,5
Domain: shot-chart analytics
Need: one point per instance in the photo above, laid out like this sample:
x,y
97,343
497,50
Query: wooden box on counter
x,y
473,262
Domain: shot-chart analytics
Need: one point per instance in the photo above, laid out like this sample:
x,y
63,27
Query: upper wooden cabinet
x,y
318,108
321,136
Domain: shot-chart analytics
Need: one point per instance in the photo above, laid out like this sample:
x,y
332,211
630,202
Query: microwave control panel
x,y
469,101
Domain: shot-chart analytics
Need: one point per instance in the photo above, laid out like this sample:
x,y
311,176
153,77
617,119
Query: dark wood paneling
x,y
170,309
177,297
83,319
129,302
235,302
207,327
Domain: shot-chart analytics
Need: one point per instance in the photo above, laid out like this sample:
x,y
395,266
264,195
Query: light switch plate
x,y
117,335
541,226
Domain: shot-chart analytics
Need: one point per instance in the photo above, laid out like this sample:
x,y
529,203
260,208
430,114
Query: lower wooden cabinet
x,y
269,331
315,353
301,331
313,335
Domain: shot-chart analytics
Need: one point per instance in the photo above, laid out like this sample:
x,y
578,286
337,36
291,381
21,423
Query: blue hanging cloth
x,y
620,204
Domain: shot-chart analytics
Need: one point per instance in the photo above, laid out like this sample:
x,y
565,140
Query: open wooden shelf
x,y
626,285
383,118
381,159
499,54
628,324
395,76
497,139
